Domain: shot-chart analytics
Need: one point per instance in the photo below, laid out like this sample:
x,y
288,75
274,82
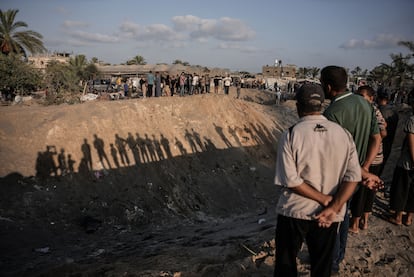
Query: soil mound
x,y
108,167
170,186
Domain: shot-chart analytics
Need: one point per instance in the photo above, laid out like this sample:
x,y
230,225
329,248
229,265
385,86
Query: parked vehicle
x,y
102,85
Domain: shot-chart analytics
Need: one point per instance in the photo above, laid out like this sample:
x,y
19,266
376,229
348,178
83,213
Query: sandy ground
x,y
199,203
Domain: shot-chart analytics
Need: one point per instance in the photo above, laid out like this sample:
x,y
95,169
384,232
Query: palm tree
x,y
139,60
408,44
400,69
14,41
94,60
382,75
314,72
304,72
410,66
356,72
78,65
400,72
82,68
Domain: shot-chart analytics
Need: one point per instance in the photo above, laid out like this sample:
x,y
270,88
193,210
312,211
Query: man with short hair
x,y
181,81
150,83
355,114
317,169
227,83
207,81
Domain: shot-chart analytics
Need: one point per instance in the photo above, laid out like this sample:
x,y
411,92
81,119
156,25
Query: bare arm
x,y
410,139
371,181
383,132
310,192
373,149
344,193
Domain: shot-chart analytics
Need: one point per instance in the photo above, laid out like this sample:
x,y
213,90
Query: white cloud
x,y
129,28
184,30
93,37
186,22
154,32
225,28
381,41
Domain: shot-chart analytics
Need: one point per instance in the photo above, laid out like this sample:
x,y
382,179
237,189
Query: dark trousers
x,y
340,241
402,190
363,199
226,89
149,90
291,233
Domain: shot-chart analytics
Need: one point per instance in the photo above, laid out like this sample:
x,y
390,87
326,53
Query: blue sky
x,y
234,34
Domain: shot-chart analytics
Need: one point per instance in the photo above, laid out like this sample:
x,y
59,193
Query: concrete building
x,y
41,61
285,71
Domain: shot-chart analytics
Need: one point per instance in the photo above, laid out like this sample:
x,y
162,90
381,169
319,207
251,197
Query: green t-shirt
x,y
354,113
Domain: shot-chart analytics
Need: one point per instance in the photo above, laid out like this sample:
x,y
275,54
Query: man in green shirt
x,y
355,114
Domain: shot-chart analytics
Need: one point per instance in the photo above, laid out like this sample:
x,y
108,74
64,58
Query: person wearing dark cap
x,y
317,171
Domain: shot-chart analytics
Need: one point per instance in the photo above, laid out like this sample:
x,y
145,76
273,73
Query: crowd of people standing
x,y
329,191
156,84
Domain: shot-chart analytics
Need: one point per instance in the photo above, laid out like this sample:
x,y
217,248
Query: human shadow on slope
x,y
135,151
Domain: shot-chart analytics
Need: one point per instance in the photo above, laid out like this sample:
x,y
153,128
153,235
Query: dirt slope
x,y
188,191
195,122
203,159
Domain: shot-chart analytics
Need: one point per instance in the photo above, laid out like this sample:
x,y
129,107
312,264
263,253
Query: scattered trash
x,y
43,250
252,168
20,99
97,253
89,97
259,258
248,249
37,187
98,174
6,219
135,214
262,220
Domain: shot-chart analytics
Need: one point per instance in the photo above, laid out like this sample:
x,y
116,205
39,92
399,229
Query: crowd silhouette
x,y
134,150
